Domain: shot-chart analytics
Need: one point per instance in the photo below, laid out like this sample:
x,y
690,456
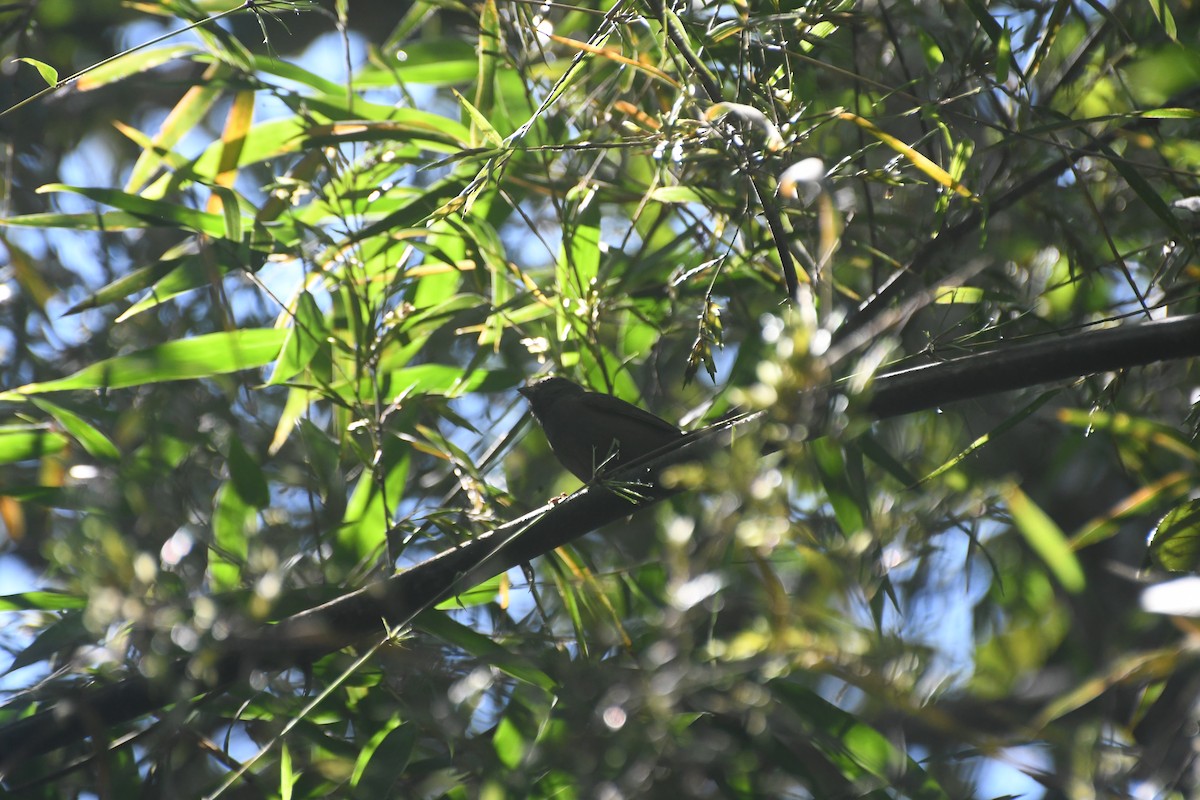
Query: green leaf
x,y
991,436
491,46
229,212
307,336
233,522
109,221
132,63
875,451
154,212
247,476
509,743
1175,543
432,131
94,442
934,57
385,755
578,258
189,112
1046,539
959,294
852,747
264,141
287,773
443,379
49,74
59,638
845,494
680,194
477,595
127,284
42,601
363,533
195,271
1169,113
1162,12
293,72
438,62
322,456
418,208
441,625
24,442
1148,194
1003,56
187,359
480,122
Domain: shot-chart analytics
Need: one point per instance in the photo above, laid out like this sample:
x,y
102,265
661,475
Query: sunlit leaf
x,y
385,755
1046,539
93,441
23,442
132,63
233,522
154,212
198,357
306,336
49,74
41,601
1175,542
917,159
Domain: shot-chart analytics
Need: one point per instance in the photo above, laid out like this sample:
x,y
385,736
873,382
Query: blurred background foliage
x,y
270,282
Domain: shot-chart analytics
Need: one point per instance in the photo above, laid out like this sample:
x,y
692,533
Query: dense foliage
x,y
271,283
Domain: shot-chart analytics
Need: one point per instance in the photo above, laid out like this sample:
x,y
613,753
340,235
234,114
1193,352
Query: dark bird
x,y
589,431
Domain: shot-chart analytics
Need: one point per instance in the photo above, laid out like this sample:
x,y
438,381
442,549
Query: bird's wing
x,y
618,409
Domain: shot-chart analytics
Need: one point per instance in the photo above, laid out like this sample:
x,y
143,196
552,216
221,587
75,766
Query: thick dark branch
x,y
1045,360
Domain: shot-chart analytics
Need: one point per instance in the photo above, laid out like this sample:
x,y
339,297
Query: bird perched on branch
x,y
589,431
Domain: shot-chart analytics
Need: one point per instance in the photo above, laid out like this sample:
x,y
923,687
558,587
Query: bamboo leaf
x,y
188,359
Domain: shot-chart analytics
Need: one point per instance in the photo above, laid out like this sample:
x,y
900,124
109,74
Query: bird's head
x,y
548,391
